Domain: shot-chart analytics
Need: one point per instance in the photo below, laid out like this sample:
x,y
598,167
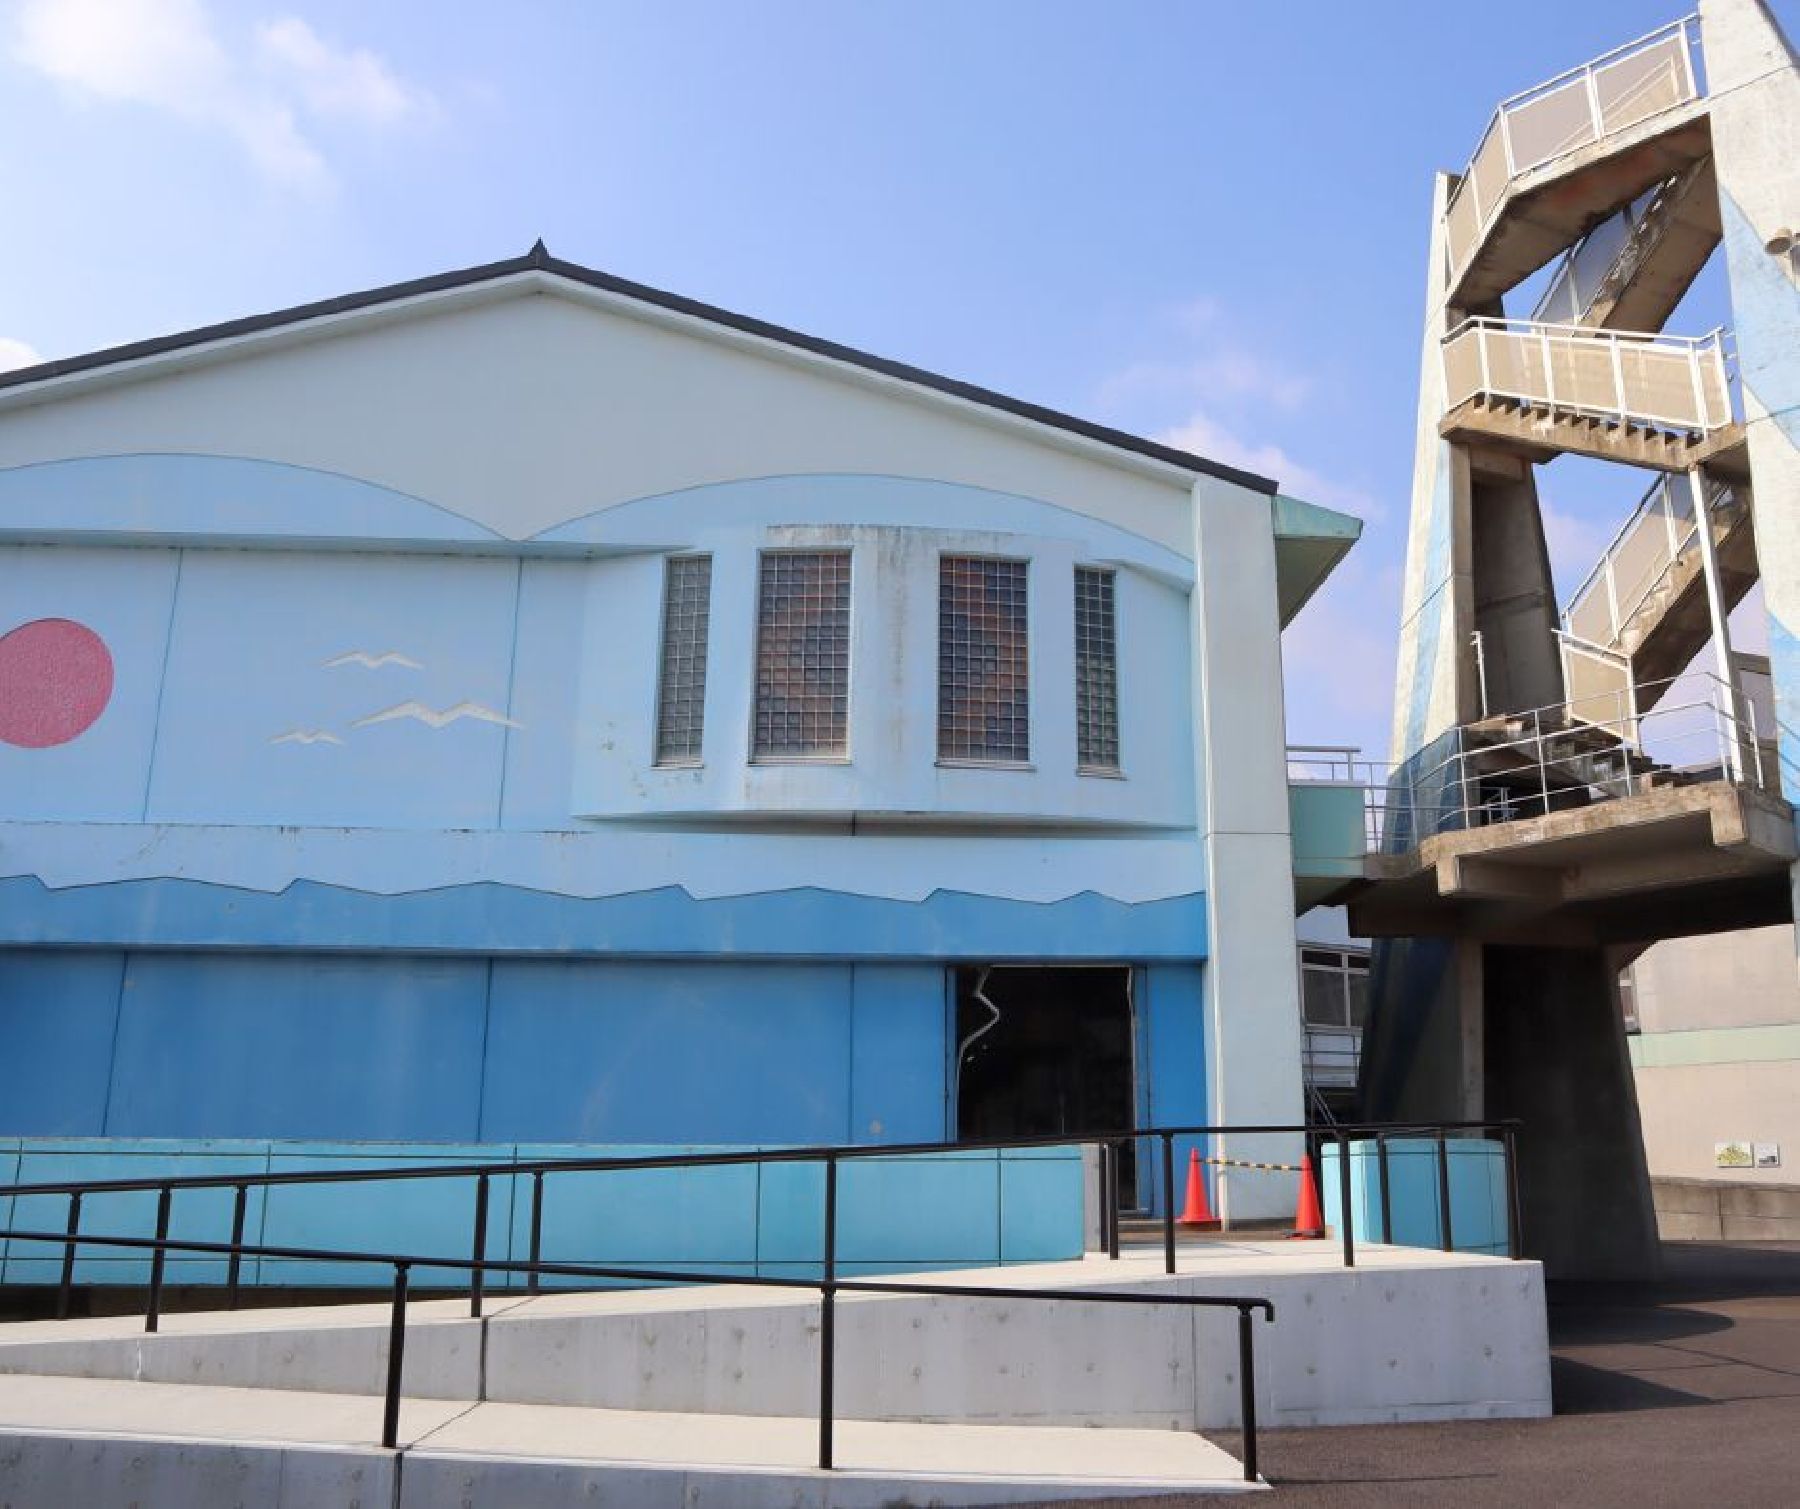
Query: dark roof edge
x,y
538,259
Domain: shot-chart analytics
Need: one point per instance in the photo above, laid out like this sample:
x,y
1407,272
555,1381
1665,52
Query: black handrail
x,y
1108,1145
828,1287
810,1153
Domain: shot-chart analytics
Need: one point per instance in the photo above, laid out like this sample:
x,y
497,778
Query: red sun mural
x,y
55,679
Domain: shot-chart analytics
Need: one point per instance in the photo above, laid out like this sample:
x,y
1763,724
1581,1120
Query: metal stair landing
x,y
1540,390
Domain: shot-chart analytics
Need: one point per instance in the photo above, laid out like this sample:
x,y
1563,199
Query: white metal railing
x,y
1614,91
1325,764
1700,730
1659,533
1591,265
1657,381
1330,1056
1599,688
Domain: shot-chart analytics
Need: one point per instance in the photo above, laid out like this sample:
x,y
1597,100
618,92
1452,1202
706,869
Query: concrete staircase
x,y
1529,766
1632,270
1540,432
1670,626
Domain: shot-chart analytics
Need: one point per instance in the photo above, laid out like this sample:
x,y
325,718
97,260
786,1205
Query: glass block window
x,y
984,660
1096,670
803,655
681,683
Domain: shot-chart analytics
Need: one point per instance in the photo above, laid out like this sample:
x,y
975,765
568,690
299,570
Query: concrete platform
x,y
1407,1335
158,1446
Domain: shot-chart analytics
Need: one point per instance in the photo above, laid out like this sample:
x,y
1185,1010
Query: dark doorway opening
x,y
1043,1052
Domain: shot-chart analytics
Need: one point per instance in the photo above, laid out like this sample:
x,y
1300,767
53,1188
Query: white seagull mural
x,y
306,736
432,718
375,661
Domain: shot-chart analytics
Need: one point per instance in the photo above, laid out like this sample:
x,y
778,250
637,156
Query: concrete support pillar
x,y
1753,81
1240,762
1557,1061
1471,1016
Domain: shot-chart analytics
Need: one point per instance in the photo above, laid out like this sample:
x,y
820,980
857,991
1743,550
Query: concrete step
x,y
174,1446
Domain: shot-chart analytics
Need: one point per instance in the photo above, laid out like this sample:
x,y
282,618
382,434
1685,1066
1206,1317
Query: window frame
x,y
982,762
658,759
835,757
1341,965
1116,770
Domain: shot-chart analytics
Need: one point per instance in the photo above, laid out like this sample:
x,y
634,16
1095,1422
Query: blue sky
x,y
1202,222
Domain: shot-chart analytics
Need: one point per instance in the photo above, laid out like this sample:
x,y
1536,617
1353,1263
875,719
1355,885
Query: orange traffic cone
x,y
1196,1212
1309,1219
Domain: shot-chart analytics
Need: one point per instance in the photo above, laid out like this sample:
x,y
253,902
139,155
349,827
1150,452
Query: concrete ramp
x,y
708,1395
175,1446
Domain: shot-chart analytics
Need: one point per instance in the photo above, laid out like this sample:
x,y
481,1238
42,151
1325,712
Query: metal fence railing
x,y
1655,381
1609,94
829,1284
1597,746
1660,534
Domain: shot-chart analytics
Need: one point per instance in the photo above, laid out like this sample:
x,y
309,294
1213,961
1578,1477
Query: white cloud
x,y
353,85
16,354
1212,391
167,55
1205,436
1226,374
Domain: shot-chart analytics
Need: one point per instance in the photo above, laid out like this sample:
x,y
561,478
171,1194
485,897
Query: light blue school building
x,y
520,708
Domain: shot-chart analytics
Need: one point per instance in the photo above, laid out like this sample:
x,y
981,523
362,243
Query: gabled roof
x,y
539,260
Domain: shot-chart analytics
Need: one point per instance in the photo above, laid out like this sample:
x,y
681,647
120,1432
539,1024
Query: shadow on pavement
x,y
1579,1388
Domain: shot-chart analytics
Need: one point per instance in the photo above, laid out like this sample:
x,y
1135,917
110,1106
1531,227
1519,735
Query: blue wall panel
x,y
238,681
57,1016
1173,1010
805,922
232,1045
545,672
898,1081
668,1053
124,596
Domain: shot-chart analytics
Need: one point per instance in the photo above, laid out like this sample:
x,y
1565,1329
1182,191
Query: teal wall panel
x,y
948,1211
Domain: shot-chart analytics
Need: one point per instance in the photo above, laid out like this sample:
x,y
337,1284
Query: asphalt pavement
x,y
1683,1392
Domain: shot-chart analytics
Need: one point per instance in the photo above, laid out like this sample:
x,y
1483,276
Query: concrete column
x,y
1433,675
1557,1061
1753,82
1240,761
1471,1018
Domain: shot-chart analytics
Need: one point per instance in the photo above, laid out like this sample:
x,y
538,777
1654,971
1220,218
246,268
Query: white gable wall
x,y
525,405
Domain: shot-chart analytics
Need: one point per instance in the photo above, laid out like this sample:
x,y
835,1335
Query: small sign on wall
x,y
1732,1155
1768,1154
